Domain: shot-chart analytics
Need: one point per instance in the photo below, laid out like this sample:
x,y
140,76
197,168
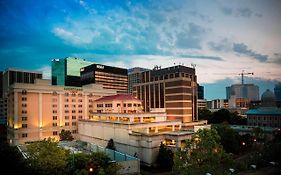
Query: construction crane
x,y
243,74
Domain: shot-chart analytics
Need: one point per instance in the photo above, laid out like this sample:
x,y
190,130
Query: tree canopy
x,y
110,145
165,158
65,135
203,153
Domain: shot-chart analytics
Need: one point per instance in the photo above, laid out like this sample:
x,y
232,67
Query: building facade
x,y
173,88
40,110
268,115
242,92
66,72
134,77
202,103
277,93
110,77
217,104
135,133
200,92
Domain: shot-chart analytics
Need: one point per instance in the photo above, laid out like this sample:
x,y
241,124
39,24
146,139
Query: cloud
x,y
46,70
216,58
241,48
244,12
190,38
222,45
227,10
67,36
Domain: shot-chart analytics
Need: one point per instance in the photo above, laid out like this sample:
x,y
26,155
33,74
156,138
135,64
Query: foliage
x,y
47,158
110,145
12,161
165,158
65,135
98,161
204,114
203,153
230,139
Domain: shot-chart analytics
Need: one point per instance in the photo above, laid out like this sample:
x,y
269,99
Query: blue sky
x,y
221,37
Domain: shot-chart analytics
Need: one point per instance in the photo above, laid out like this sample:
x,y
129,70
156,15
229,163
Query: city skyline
x,y
221,38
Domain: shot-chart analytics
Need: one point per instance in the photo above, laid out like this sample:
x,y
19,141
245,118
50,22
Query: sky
x,y
220,38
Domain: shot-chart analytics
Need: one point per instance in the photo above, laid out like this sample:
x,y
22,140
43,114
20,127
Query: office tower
x,y
40,110
1,84
173,88
110,77
66,72
134,77
200,92
240,95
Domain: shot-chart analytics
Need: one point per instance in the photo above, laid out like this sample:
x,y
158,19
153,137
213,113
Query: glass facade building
x,y
66,72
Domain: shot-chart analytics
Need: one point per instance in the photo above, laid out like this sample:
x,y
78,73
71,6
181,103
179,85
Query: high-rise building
x,y
1,84
110,77
11,76
217,104
241,94
40,110
66,72
200,92
173,88
134,77
277,93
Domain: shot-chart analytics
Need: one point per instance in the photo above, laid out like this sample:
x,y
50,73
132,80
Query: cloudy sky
x,y
220,37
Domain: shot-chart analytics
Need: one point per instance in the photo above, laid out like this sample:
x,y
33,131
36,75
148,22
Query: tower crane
x,y
243,74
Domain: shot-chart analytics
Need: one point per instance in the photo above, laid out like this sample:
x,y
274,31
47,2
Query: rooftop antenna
x,y
243,74
193,65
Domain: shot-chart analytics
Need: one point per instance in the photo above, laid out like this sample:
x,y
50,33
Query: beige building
x,y
135,133
40,110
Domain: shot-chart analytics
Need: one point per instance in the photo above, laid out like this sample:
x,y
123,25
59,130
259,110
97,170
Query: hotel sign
x,y
72,89
100,66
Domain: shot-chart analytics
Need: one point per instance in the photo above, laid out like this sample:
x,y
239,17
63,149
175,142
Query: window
x,y
24,118
99,105
66,111
54,106
23,92
73,123
23,105
55,111
171,75
74,131
79,95
66,117
80,116
73,100
24,98
24,125
79,106
73,117
130,105
55,117
66,106
90,106
90,100
73,106
118,104
135,105
55,133
73,94
66,100
24,112
66,123
80,100
24,135
124,104
73,111
54,100
177,75
66,94
80,111
55,124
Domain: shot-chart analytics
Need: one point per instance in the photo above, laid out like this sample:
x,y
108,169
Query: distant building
x,y
202,103
277,92
268,115
173,88
217,104
240,95
40,110
1,84
134,77
200,90
66,72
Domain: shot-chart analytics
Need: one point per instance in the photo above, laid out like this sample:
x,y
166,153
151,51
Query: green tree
x,y
220,116
230,139
47,158
205,114
65,135
258,133
110,145
165,158
203,153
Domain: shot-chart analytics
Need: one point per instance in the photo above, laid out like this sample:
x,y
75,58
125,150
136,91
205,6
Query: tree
x,y
47,158
110,145
220,116
205,114
203,153
65,135
165,158
230,139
